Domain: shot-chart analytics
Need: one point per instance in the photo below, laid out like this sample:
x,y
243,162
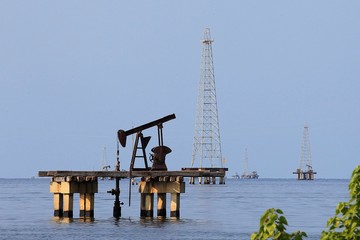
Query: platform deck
x,y
126,174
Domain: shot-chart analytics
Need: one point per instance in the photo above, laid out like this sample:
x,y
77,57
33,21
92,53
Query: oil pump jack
x,y
157,157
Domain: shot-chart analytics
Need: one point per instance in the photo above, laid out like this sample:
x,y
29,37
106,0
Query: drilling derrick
x,y
245,163
104,164
305,170
207,147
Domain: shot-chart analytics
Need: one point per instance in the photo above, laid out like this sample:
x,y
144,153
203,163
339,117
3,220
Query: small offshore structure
x,y
154,180
236,176
252,175
245,174
305,170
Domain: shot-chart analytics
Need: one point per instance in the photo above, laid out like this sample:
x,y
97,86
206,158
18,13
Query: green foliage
x,y
346,222
273,225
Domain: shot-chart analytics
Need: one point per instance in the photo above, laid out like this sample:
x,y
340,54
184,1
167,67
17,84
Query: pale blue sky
x,y
74,72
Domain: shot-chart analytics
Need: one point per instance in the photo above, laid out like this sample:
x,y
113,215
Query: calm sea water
x,y
230,211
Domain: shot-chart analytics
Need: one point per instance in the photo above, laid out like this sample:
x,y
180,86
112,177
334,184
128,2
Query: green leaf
x,y
279,211
283,220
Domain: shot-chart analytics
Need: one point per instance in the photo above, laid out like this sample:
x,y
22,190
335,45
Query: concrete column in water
x,y
68,199
191,180
82,204
87,192
175,205
58,205
148,188
213,180
147,205
89,205
64,189
207,180
222,180
161,205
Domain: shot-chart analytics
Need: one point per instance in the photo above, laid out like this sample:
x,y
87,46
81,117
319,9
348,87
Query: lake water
x,y
230,211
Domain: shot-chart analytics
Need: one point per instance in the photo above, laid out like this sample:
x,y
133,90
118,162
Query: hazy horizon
x,y
73,73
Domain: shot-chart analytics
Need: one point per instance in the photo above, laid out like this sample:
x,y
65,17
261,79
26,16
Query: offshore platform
x,y
305,170
155,179
246,174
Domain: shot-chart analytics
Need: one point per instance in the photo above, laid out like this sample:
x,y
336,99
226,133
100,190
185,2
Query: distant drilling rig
x,y
305,170
246,174
207,146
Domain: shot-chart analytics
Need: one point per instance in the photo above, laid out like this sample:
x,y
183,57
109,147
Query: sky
x,y
74,72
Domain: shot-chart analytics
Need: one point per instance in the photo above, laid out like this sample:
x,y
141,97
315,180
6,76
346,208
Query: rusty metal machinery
x,y
157,157
159,152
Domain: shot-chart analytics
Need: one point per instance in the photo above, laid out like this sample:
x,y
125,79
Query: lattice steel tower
x,y
305,170
305,158
207,146
245,163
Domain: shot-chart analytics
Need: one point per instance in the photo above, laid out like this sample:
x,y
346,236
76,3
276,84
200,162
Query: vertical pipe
x,y
117,208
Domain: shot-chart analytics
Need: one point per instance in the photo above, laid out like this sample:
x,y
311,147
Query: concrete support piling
x,y
148,187
213,180
68,205
175,205
207,180
89,205
222,180
58,205
161,205
64,189
65,183
191,180
82,205
147,205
